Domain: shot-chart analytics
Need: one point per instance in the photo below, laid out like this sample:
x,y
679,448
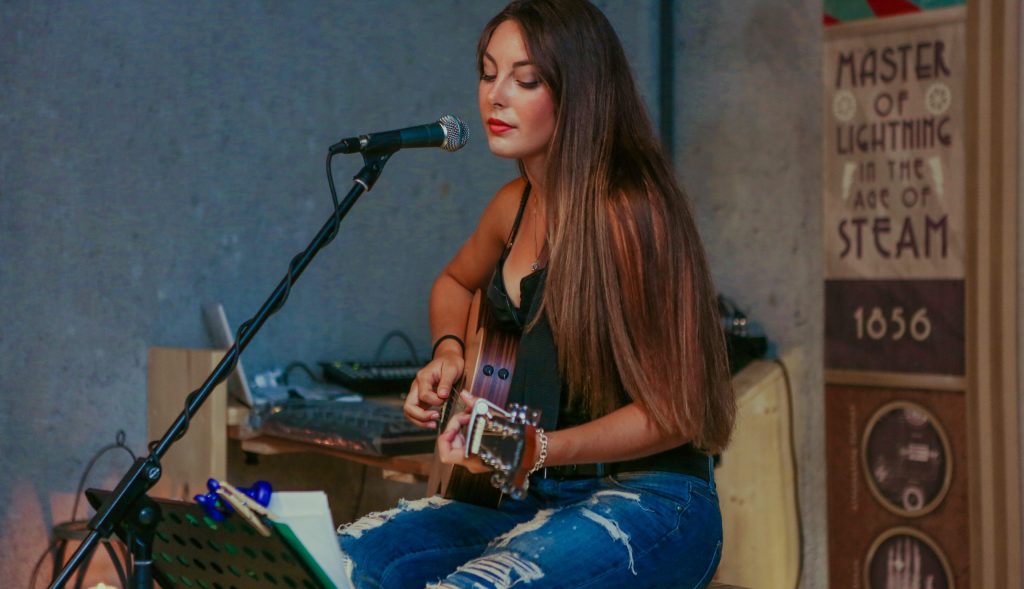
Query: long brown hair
x,y
628,294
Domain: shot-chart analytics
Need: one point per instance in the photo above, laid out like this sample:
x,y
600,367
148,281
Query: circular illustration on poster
x,y
844,106
906,459
905,558
938,98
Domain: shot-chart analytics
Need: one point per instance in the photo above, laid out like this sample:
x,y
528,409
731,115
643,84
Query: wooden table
x,y
404,468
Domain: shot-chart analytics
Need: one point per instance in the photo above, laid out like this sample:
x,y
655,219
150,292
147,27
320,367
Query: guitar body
x,y
490,362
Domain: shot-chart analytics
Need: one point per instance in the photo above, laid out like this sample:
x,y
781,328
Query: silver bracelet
x,y
543,451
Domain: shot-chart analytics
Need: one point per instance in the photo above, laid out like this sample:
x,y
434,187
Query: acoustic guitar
x,y
501,437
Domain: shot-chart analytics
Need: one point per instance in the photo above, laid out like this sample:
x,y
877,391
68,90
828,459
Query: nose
x,y
497,93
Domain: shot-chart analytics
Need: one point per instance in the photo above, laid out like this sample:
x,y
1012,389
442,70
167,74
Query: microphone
x,y
449,133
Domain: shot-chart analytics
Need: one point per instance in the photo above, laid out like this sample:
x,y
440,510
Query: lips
x,y
498,126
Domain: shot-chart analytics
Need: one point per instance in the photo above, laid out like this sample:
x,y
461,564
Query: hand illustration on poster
x,y
904,558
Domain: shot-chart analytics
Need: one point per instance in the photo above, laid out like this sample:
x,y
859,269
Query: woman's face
x,y
516,107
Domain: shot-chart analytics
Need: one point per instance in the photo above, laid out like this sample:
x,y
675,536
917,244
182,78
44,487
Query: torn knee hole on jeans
x,y
614,531
635,497
533,525
349,565
376,519
500,570
624,494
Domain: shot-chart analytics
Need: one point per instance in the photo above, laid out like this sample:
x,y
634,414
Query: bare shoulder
x,y
474,262
501,211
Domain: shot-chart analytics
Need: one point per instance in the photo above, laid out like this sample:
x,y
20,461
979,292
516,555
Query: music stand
x,y
191,550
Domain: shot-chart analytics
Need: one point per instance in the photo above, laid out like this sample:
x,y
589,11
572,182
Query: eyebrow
x,y
514,65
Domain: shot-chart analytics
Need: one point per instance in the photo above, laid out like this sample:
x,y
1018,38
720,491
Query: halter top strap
x,y
515,224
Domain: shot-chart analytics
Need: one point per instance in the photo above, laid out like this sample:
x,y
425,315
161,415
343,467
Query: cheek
x,y
541,113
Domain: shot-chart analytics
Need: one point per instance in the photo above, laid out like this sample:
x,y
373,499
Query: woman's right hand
x,y
433,385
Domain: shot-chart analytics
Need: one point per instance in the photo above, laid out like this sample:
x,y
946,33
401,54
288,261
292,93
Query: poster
x,y
894,198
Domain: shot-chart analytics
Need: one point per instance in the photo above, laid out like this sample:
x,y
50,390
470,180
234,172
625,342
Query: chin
x,y
503,151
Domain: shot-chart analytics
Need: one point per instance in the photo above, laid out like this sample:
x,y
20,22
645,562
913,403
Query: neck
x,y
535,167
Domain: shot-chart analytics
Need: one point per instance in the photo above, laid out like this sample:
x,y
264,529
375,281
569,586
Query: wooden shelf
x,y
416,465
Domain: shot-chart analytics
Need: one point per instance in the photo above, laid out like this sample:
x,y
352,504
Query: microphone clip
x,y
373,166
361,144
350,145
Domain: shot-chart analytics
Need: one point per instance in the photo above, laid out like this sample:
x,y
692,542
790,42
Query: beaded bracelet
x,y
458,339
543,450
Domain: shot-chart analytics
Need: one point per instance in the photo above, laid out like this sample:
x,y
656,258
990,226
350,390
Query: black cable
x,y
334,199
796,477
405,338
288,369
119,438
118,443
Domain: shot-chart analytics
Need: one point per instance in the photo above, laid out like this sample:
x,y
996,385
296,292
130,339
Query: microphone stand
x,y
127,506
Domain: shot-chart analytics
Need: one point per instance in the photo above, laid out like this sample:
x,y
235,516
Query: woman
x,y
594,255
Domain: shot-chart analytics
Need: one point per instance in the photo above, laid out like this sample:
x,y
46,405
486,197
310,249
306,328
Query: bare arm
x,y
624,434
450,299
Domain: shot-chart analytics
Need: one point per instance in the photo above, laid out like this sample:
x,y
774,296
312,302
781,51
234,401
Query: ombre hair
x,y
628,293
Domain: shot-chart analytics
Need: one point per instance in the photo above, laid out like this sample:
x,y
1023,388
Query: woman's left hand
x,y
451,444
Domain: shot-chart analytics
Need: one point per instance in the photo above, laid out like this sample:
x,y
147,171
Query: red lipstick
x,y
498,126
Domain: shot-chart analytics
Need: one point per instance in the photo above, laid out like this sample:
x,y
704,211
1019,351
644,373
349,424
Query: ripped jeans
x,y
642,529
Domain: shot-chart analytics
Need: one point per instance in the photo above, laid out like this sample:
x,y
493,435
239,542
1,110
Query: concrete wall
x,y
157,156
749,153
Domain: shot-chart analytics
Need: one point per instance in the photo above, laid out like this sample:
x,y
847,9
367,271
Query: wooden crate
x,y
756,484
202,453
